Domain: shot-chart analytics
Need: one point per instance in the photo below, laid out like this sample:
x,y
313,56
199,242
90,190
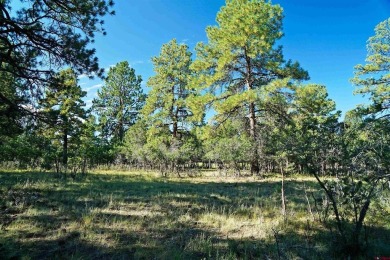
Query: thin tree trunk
x,y
121,130
174,130
283,195
83,170
334,205
359,223
65,149
255,169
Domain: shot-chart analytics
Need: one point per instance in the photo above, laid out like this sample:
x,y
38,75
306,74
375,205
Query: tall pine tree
x,y
119,101
167,111
166,104
240,57
65,109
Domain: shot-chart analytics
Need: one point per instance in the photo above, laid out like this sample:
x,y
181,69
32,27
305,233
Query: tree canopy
x,y
119,101
373,78
44,36
166,103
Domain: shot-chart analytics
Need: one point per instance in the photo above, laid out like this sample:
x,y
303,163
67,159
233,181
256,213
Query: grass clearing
x,y
132,215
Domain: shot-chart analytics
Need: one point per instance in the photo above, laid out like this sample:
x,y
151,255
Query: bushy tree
x,y
134,143
364,175
26,150
227,144
315,126
355,153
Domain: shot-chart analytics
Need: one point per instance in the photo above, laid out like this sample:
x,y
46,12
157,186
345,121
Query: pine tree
x,y
240,58
166,104
119,101
167,110
373,78
64,107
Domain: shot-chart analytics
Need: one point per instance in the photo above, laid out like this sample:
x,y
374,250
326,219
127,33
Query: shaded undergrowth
x,y
142,216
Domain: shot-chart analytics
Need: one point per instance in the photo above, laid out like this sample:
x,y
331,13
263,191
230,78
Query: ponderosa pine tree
x,y
373,78
166,108
119,101
315,122
366,141
239,58
166,103
65,109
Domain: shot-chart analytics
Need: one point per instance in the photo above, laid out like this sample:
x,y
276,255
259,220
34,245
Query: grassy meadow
x,y
134,215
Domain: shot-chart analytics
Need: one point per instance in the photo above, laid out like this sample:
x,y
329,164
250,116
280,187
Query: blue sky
x,y
328,38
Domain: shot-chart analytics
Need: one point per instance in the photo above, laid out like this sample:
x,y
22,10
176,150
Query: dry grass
x,y
128,215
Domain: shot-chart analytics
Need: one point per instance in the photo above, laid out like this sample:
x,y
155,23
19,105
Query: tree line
x,y
264,117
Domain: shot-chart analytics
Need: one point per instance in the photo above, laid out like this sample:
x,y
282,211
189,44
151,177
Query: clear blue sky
x,y
328,38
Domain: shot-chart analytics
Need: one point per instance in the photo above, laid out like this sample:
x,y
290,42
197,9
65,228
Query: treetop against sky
x,y
328,38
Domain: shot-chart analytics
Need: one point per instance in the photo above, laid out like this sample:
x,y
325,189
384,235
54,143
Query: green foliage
x,y
91,149
364,146
45,36
239,62
373,78
166,104
355,152
119,101
368,142
275,135
365,149
37,38
26,150
315,124
134,142
171,153
227,143
168,117
239,58
11,99
64,108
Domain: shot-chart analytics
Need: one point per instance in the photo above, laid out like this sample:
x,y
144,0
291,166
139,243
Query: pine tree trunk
x,y
174,130
255,169
121,123
283,195
65,149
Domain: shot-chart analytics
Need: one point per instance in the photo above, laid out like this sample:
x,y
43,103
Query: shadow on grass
x,y
118,216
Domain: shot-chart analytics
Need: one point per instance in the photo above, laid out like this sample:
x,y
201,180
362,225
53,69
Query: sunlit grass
x,y
141,215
